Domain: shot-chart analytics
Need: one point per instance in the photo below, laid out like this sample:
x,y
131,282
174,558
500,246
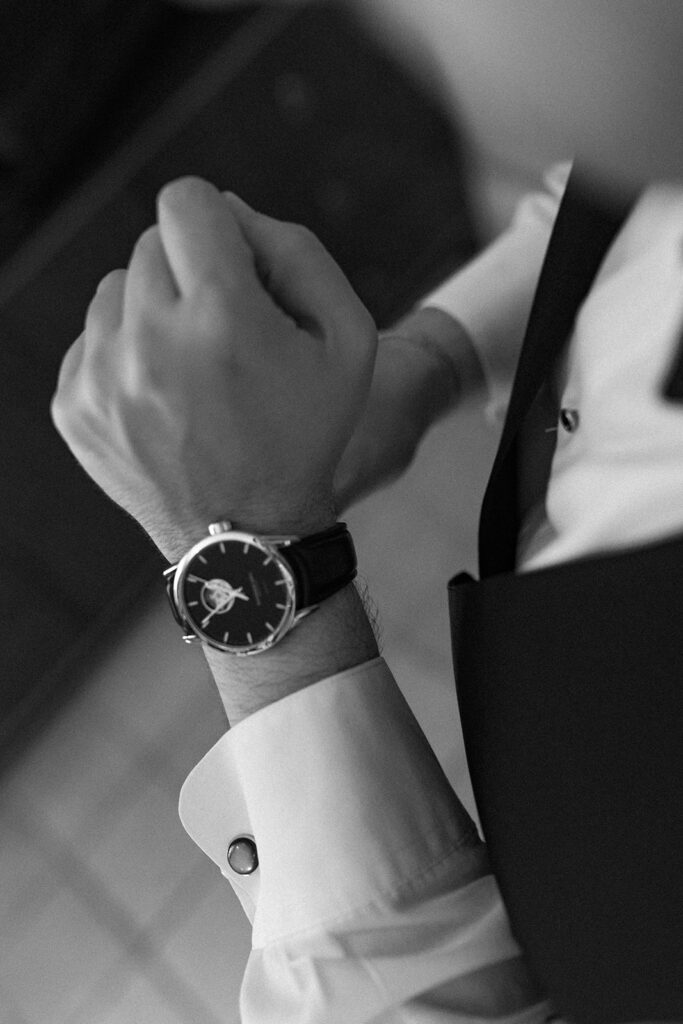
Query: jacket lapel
x,y
583,232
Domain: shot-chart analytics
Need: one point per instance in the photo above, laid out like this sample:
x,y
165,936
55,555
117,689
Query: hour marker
x,y
245,548
280,583
249,638
222,547
201,559
192,604
271,628
225,636
281,606
268,560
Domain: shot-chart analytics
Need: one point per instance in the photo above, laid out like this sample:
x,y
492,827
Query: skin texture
x,y
221,375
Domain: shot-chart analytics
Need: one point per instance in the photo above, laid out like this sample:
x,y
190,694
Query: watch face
x,y
237,593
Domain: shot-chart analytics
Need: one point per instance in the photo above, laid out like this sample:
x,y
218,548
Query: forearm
x,y
444,369
336,637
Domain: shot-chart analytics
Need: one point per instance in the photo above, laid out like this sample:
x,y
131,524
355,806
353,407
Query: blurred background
x,y
340,116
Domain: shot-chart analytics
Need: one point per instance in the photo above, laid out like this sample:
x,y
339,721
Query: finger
x,y
149,282
70,365
296,269
102,321
202,241
105,312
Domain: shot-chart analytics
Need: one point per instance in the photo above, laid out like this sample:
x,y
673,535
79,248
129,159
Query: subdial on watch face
x,y
235,593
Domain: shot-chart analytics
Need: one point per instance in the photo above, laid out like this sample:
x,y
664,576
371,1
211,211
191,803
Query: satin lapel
x,y
583,231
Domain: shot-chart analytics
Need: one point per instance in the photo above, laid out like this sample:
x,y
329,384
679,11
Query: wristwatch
x,y
241,592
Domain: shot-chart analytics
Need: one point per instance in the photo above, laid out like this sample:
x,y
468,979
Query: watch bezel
x,y
270,546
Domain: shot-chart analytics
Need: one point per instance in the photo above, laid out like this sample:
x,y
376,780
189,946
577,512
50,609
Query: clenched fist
x,y
220,376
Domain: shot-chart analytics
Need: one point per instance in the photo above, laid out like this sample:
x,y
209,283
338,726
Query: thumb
x,y
298,272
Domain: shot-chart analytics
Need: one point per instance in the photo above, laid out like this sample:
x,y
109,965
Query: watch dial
x,y
235,593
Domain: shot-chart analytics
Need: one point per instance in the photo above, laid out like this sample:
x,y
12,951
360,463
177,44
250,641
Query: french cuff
x,y
491,296
342,795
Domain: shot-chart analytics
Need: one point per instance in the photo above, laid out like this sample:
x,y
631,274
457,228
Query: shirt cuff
x,y
491,296
343,796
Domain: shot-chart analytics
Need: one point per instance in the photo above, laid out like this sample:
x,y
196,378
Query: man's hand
x,y
424,367
221,376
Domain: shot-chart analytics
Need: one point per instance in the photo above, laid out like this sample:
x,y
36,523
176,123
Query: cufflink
x,y
243,855
569,418
673,388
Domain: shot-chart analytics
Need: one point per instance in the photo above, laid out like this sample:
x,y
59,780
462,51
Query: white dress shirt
x,y
372,900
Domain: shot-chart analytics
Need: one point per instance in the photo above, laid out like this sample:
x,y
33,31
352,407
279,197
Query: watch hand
x,y
232,593
218,608
222,605
224,595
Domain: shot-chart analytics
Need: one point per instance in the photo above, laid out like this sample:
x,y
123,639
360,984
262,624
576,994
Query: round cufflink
x,y
243,855
569,418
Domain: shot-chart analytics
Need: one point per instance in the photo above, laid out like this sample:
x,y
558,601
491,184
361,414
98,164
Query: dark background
x,y
101,103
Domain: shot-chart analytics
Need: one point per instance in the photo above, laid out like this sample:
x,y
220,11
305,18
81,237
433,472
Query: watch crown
x,y
222,526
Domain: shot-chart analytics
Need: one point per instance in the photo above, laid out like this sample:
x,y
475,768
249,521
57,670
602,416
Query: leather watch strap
x,y
169,576
322,564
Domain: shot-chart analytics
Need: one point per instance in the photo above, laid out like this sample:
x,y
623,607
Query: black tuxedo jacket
x,y
570,686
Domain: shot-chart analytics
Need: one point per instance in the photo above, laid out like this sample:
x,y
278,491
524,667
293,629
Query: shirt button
x,y
569,418
242,855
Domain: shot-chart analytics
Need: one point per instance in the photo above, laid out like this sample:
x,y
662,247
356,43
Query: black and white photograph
x,y
341,559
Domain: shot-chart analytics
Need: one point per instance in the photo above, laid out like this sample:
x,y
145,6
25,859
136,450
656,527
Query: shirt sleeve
x,y
491,295
372,899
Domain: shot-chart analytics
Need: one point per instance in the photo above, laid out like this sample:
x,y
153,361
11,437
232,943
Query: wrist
x,y
300,520
334,638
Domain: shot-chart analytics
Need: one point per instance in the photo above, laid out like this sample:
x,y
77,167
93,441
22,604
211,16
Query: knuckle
x,y
107,294
181,189
299,238
67,410
113,280
94,315
149,239
58,411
